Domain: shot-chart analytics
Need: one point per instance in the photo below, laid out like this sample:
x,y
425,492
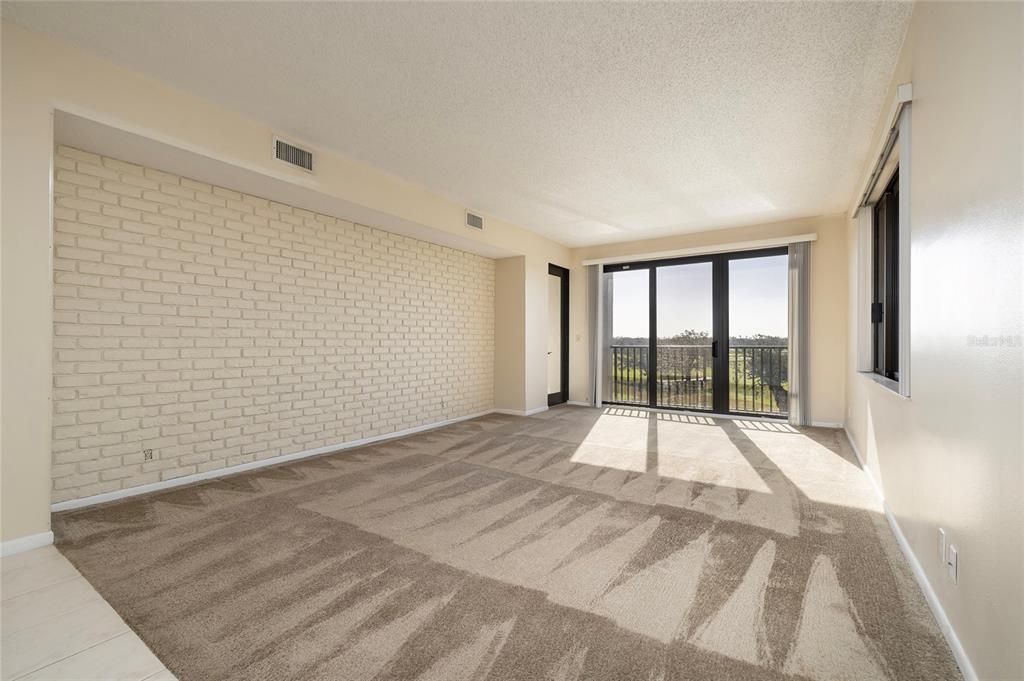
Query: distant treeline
x,y
702,338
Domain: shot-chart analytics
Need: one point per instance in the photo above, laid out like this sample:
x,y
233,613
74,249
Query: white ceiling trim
x,y
705,250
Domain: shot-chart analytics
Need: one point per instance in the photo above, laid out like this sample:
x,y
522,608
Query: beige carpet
x,y
578,544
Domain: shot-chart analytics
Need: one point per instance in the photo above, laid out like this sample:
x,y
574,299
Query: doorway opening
x,y
558,335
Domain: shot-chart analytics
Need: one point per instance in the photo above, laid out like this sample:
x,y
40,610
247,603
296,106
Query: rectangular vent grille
x,y
474,221
292,154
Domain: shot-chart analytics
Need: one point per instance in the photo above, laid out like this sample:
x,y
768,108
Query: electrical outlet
x,y
942,545
147,454
953,563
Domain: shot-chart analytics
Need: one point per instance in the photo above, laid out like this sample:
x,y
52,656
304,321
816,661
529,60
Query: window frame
x,y
894,163
720,335
885,294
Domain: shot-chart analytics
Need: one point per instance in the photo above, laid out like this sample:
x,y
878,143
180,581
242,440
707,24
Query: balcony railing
x,y
758,382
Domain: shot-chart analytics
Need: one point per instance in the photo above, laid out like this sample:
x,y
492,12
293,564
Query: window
x,y
883,216
885,278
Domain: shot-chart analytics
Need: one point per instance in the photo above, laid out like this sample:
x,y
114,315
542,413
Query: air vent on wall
x,y
292,154
474,221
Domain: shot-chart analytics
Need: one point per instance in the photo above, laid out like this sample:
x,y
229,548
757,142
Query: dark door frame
x,y
562,395
720,322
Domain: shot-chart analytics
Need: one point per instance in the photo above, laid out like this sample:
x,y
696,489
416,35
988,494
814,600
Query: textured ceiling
x,y
586,122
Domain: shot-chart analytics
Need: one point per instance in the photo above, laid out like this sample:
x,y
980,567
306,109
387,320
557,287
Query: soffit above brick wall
x,y
98,138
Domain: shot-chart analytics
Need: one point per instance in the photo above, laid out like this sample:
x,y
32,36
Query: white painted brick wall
x,y
218,328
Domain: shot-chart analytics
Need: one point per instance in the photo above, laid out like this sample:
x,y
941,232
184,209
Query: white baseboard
x,y
827,424
966,668
22,544
579,404
242,467
864,465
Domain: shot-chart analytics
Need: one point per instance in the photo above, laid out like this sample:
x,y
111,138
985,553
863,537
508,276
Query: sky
x,y
758,298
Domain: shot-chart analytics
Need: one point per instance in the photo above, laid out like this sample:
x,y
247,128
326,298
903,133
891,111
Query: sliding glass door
x,y
706,333
685,316
758,329
628,359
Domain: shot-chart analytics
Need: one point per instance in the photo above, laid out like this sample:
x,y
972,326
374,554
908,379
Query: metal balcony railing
x,y
758,382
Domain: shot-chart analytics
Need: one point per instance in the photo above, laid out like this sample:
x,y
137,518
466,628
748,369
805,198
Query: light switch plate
x,y
952,563
942,545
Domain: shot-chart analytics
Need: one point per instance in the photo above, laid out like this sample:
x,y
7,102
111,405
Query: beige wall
x,y
40,75
510,334
827,317
951,456
216,328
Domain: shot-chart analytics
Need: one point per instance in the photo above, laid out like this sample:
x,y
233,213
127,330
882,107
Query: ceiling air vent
x,y
292,154
474,221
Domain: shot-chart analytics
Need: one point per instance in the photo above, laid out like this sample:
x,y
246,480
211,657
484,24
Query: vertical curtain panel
x,y
799,299
594,324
